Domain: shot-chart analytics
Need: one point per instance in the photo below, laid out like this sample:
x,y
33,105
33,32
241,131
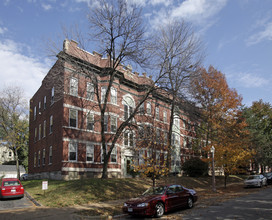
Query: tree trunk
x,y
17,163
225,182
105,169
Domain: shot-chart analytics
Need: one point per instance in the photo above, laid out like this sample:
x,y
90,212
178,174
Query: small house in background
x,y
6,154
10,171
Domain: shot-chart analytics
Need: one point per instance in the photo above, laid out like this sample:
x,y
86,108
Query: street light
x,y
213,174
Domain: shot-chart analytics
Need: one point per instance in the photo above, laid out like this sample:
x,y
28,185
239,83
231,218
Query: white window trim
x,y
76,144
89,115
90,90
73,90
148,110
113,101
92,151
114,150
76,118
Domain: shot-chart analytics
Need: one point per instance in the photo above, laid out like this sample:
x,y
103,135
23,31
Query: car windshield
x,y
155,191
253,177
11,183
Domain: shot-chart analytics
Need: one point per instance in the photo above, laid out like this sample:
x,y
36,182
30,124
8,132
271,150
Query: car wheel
x,y
190,203
159,208
261,184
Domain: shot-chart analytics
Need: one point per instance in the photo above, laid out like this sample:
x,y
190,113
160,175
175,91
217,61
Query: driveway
x,y
253,206
11,204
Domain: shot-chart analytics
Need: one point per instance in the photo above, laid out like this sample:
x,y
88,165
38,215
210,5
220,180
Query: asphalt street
x,y
255,206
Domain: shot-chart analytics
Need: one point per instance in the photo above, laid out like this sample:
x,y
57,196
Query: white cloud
x,y
249,80
198,11
264,34
158,2
46,7
3,30
20,70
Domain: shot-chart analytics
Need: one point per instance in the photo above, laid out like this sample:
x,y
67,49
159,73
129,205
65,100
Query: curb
x,y
32,199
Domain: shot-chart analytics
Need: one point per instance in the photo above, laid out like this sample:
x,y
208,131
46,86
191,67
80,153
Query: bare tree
x,y
178,54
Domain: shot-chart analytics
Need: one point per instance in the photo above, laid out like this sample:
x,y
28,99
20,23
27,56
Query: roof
x,y
11,168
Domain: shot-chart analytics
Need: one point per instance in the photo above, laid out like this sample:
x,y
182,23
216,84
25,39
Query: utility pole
x,y
213,173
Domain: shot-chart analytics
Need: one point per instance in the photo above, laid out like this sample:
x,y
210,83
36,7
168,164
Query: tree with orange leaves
x,y
151,151
222,123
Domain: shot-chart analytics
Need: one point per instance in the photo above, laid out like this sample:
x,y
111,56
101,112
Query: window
x,y
74,86
141,157
128,110
102,156
35,134
35,159
141,108
129,104
90,122
157,135
90,153
157,113
176,123
40,131
39,158
40,107
34,113
165,137
50,155
113,124
103,94
44,102
10,154
140,132
158,157
113,96
128,139
73,118
51,124
90,91
148,108
106,123
52,95
113,157
44,128
72,151
165,116
43,157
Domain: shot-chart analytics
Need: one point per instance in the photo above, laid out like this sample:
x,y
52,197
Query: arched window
x,y
129,105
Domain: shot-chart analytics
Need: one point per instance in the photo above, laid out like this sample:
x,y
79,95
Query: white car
x,y
256,181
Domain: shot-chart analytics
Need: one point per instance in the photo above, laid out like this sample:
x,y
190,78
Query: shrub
x,y
195,167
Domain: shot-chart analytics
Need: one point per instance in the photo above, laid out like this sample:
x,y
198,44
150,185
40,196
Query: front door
x,y
127,166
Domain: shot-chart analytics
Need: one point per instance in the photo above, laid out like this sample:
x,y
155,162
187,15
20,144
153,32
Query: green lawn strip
x,y
80,192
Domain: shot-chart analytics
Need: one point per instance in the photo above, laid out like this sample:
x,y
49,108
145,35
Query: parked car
x,y
269,177
11,188
158,200
24,176
256,181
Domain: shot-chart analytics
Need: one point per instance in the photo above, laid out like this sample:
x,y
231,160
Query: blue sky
x,y
237,35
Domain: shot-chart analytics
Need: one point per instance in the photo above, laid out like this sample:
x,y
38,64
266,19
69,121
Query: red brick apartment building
x,y
65,140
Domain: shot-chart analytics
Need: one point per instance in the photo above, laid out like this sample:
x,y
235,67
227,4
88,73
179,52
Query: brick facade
x,y
65,140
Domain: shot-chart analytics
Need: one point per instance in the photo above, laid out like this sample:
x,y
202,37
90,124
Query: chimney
x,y
66,45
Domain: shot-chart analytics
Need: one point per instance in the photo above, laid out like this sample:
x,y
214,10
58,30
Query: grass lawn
x,y
80,192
